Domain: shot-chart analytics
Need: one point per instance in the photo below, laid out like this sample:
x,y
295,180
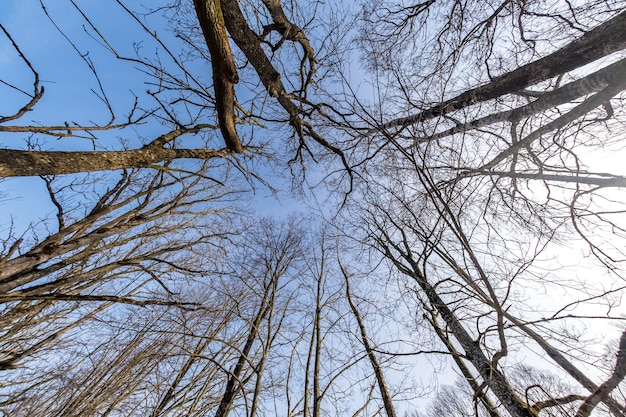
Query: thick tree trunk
x,y
17,163
492,377
478,390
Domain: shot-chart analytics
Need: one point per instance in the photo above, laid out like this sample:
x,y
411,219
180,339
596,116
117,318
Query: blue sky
x,y
68,80
63,75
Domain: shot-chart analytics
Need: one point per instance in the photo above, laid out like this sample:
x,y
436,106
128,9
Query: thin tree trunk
x,y
492,377
603,391
234,380
380,377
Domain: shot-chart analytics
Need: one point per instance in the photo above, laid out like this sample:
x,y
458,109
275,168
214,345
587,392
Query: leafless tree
x,y
272,39
204,350
470,171
470,193
135,245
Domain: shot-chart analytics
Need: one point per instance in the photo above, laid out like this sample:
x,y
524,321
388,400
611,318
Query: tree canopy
x,y
458,247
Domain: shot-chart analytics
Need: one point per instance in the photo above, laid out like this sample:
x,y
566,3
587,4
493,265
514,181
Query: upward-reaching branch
x,y
378,371
601,41
603,391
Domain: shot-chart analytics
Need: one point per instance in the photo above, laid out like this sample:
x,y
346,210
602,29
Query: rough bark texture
x,y
18,163
225,76
248,41
250,44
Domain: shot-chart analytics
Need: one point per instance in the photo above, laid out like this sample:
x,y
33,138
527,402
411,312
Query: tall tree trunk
x,y
378,371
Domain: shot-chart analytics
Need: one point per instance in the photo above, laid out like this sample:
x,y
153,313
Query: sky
x,y
64,75
67,81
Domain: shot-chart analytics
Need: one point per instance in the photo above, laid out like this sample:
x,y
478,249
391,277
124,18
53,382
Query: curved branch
x,y
37,90
582,109
603,391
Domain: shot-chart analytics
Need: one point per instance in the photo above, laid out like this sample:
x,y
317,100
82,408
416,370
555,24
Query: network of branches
x,y
459,244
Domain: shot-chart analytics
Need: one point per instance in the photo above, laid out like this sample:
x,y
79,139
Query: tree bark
x,y
592,83
19,163
603,40
225,76
580,110
380,377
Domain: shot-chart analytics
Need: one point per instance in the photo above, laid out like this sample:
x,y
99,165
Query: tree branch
x,y
225,76
603,40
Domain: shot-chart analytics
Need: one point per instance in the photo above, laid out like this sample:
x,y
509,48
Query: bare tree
x,y
267,261
133,246
206,354
471,192
182,100
376,366
471,169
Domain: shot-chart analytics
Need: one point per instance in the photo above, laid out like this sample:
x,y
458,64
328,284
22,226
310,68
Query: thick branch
x,y
556,402
225,76
586,85
18,163
292,32
603,40
580,110
98,298
603,391
250,44
612,181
